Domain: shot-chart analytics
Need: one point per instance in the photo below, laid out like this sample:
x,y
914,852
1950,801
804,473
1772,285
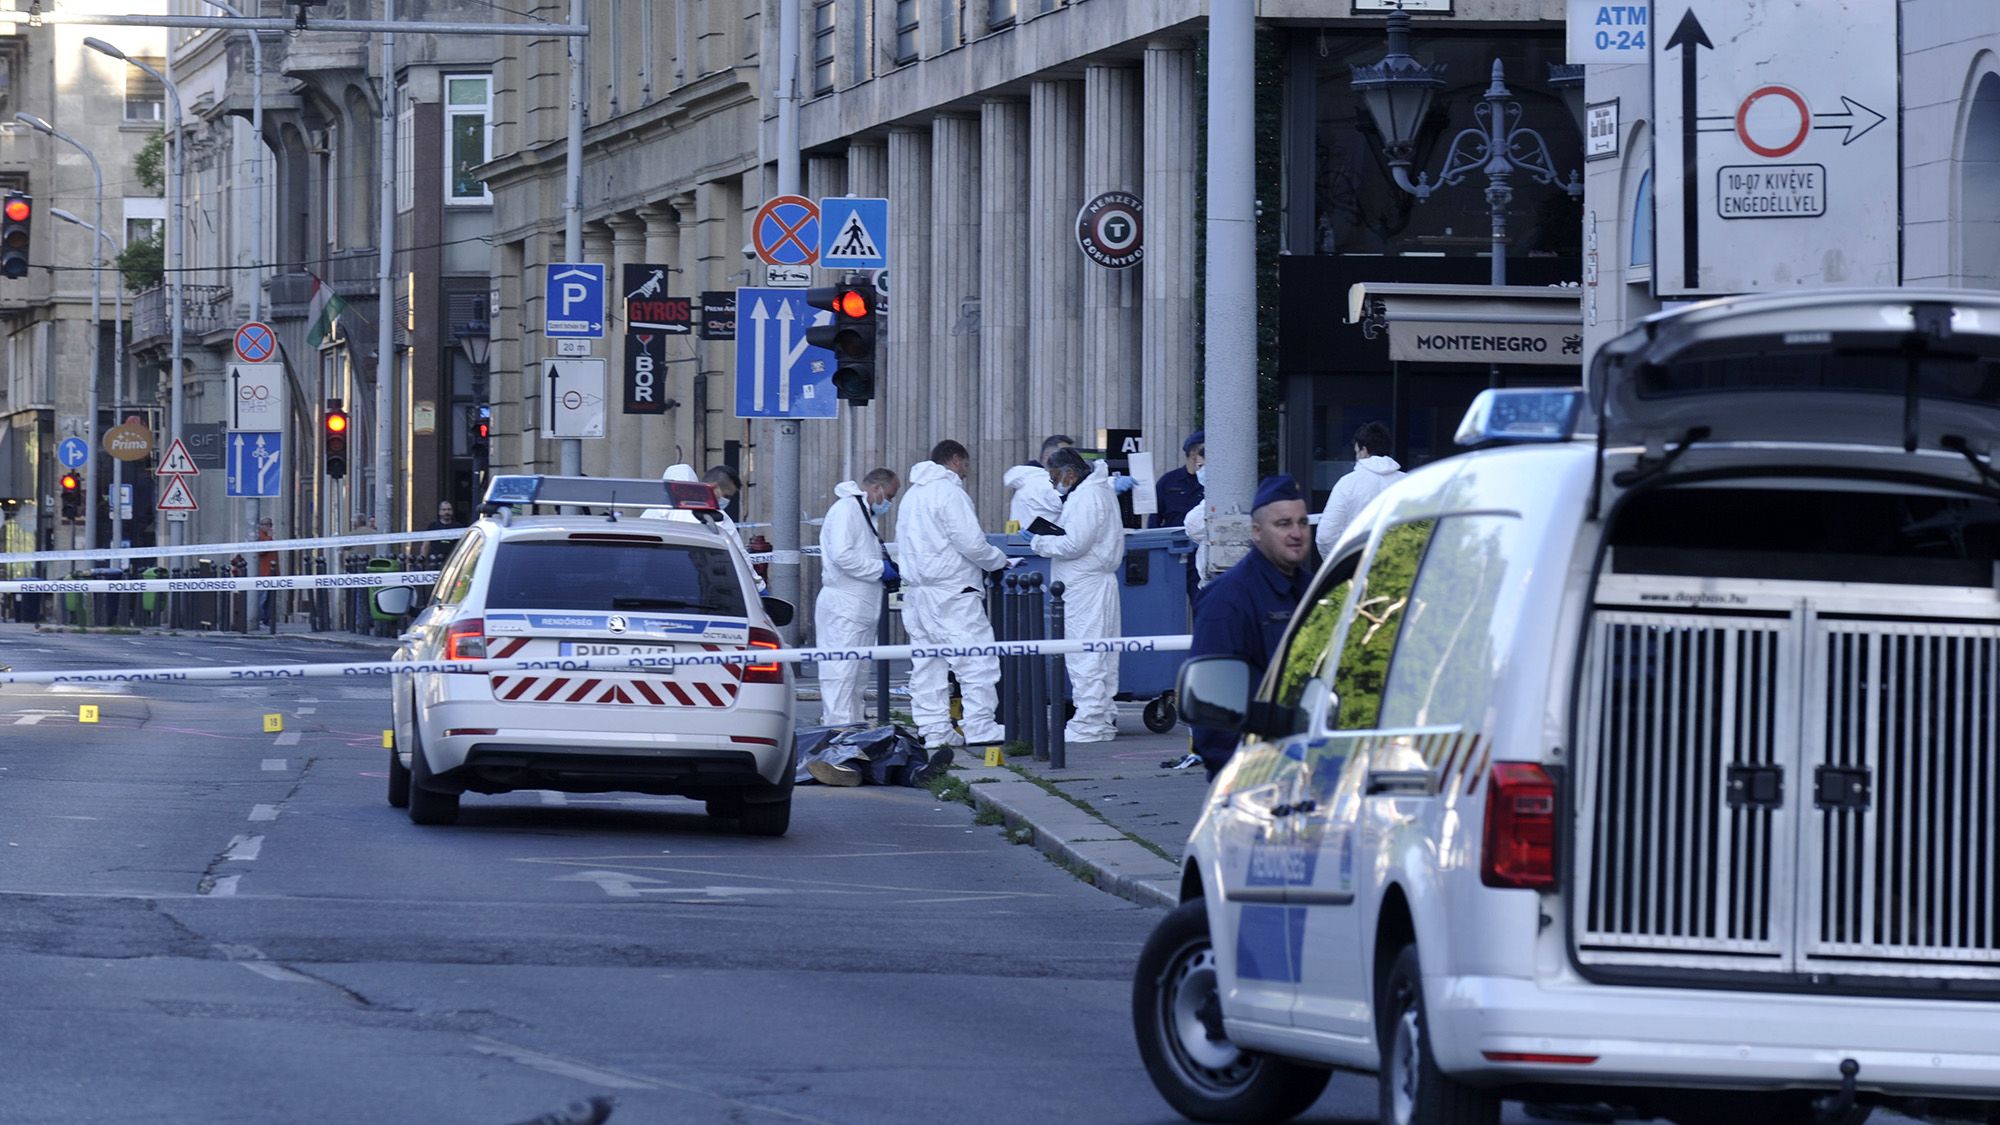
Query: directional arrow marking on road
x,y
622,884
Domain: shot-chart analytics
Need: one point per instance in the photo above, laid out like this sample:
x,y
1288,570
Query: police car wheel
x,y
1413,1090
399,782
769,818
1177,1015
427,806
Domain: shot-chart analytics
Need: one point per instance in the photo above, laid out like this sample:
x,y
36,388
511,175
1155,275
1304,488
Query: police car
x,y
600,585
1645,759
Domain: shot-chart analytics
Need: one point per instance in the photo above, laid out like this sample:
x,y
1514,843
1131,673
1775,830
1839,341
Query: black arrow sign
x,y
1687,37
236,397
553,376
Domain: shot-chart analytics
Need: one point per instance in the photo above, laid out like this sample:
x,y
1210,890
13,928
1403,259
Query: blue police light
x,y
1521,414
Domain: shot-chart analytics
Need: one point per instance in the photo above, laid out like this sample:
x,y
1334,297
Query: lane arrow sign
x,y
759,317
1688,36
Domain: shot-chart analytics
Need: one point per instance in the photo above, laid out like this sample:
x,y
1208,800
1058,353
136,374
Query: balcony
x,y
208,310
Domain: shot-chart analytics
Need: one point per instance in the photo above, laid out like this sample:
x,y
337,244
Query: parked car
x,y
1647,755
596,585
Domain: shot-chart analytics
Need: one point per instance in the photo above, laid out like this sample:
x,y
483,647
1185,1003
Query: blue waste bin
x,y
1152,602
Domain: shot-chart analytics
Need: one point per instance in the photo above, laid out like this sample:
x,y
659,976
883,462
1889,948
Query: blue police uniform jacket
x,y
1177,492
1243,614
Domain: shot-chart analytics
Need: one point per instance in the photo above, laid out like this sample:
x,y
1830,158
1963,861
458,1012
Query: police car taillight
x,y
692,496
466,640
1520,846
764,673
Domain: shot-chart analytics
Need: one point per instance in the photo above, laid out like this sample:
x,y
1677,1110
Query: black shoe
x,y
939,762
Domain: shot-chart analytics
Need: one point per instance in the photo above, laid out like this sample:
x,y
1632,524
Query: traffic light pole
x,y
1229,391
387,364
785,454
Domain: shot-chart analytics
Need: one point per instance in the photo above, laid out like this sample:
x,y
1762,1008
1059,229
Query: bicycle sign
x,y
257,398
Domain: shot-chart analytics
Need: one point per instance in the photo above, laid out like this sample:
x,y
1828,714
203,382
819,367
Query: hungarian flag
x,y
323,307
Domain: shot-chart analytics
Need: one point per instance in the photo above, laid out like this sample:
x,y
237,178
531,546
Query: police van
x,y
1644,759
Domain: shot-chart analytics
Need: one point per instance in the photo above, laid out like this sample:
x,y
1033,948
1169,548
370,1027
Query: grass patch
x,y
989,816
945,787
1055,790
1021,835
1017,750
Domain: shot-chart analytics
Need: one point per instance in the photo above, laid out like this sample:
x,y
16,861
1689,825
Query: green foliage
x,y
149,167
1305,656
1378,617
143,262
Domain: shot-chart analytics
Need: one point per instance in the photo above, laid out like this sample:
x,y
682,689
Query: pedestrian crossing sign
x,y
854,233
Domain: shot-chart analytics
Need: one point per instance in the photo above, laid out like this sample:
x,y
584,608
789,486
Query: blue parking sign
x,y
573,304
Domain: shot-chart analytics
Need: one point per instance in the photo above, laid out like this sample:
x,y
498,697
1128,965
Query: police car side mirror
x,y
394,601
779,611
1213,691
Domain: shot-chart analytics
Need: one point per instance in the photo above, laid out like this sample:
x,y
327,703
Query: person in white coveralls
x,y
1086,558
854,568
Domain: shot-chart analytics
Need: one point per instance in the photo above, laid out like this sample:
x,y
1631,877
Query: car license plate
x,y
600,648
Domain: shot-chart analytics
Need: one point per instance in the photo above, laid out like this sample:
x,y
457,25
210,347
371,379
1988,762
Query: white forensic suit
x,y
1033,495
943,556
1087,557
1352,493
850,600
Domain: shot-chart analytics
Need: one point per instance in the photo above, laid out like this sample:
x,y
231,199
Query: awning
x,y
1517,324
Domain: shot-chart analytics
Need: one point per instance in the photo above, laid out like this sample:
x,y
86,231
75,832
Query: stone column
x,y
1113,133
1055,300
954,294
1167,354
625,431
905,385
868,176
659,433
1003,301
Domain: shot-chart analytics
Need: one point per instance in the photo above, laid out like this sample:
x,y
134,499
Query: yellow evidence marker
x,y
273,723
995,756
86,712
388,740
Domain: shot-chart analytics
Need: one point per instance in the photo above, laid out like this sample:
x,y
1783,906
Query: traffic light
x,y
72,496
15,216
851,338
333,425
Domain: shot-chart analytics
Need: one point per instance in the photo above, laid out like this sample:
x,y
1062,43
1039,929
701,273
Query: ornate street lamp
x,y
1398,92
475,340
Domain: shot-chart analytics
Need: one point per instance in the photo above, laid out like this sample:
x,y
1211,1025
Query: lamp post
x,y
1398,92
96,320
174,251
117,366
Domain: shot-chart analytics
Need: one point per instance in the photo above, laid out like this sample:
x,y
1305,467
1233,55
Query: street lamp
x,y
1398,91
117,367
174,251
475,340
96,317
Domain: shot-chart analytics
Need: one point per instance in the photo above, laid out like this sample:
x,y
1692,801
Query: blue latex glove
x,y
1122,484
889,572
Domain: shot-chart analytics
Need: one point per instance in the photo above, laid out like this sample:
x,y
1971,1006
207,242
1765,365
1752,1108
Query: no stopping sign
x,y
1110,230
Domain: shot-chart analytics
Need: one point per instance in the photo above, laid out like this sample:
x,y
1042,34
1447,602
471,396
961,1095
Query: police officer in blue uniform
x,y
1244,612
1180,491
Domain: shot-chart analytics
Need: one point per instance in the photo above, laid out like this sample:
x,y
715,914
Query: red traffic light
x,y
70,482
851,303
336,421
19,210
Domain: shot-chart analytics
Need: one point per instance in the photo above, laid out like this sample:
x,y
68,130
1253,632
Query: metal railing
x,y
209,309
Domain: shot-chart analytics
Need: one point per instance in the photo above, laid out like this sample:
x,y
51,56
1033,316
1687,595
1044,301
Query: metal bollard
x,y
1058,684
1008,628
1038,715
882,666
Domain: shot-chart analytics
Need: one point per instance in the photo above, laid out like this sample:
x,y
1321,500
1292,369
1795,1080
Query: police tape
x,y
629,663
247,547
214,585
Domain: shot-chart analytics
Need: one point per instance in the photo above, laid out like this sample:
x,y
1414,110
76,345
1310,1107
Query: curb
x,y
1077,838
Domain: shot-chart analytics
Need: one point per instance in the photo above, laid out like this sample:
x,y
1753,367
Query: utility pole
x,y
386,365
1229,393
785,441
570,452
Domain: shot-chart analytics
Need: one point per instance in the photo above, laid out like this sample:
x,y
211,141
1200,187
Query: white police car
x,y
1657,769
599,585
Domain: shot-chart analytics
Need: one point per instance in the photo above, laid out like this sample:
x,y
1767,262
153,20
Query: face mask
x,y
879,507
1201,476
722,504
1062,490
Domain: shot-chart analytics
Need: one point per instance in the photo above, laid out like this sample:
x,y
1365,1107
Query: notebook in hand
x,y
1043,526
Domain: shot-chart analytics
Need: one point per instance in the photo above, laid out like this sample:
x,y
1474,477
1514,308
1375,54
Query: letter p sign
x,y
573,301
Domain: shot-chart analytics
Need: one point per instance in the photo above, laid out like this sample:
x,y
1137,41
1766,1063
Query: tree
x,y
150,165
143,261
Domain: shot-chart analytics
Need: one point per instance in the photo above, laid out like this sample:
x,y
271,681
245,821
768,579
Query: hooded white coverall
x,y
1352,493
850,599
1033,495
1086,561
943,554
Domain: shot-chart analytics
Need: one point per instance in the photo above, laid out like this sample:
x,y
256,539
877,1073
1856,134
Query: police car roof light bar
x,y
598,492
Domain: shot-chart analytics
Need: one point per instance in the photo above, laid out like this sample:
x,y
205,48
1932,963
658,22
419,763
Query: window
x,y
1642,226
455,580
468,110
1001,13
406,154
1461,616
906,31
145,98
823,46
1305,654
600,576
10,58
1378,619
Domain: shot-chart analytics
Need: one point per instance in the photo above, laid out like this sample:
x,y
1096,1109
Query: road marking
x,y
618,1079
307,711
618,884
276,972
274,763
263,812
244,847
225,886
289,738
88,689
29,720
551,797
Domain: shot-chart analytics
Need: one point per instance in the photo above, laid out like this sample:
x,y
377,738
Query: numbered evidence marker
x,y
86,713
273,723
388,740
995,756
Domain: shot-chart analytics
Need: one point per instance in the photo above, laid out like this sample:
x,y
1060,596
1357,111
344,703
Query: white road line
x,y
564,1068
29,720
263,812
225,886
551,797
289,738
276,972
244,847
274,763
307,711
308,699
